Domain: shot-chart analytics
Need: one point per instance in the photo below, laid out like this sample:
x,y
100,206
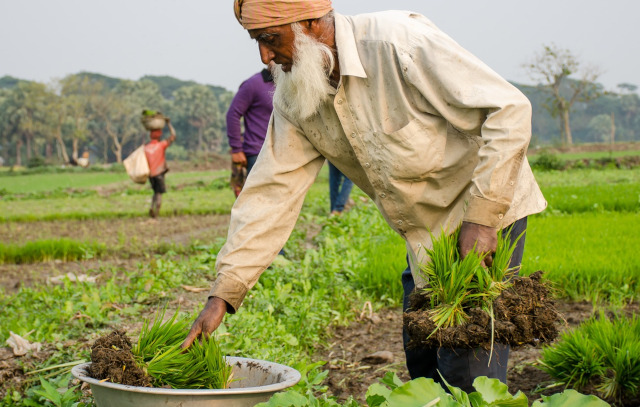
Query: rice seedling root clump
x,y
156,359
112,359
524,313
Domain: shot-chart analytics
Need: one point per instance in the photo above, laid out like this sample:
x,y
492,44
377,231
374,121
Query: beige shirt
x,y
424,128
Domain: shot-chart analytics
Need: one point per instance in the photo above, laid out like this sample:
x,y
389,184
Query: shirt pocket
x,y
415,151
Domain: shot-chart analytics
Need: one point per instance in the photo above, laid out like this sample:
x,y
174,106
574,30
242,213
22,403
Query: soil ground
x,y
349,374
127,240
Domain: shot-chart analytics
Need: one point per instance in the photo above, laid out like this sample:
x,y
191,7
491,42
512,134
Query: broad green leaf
x,y
377,394
496,393
476,400
391,380
290,340
420,392
570,398
518,400
286,399
461,397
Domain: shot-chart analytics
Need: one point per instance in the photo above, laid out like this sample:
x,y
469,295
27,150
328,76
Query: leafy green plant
x,y
422,392
53,393
547,161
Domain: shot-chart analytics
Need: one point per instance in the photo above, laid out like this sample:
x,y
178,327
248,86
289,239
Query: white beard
x,y
300,93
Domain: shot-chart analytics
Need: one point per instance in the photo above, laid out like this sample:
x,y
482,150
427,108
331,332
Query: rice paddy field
x,y
79,257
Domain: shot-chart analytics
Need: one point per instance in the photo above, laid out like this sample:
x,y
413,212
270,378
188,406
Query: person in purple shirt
x,y
253,103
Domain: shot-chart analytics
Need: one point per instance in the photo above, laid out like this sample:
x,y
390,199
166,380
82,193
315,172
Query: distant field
x,y
21,184
594,155
116,206
586,255
587,177
598,154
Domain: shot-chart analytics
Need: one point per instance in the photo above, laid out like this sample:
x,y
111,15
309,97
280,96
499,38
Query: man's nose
x,y
266,54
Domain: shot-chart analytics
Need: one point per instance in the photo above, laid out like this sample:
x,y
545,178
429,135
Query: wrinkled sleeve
x,y
267,209
472,98
239,106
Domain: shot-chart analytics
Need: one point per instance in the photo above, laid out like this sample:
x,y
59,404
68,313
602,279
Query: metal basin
x,y
255,381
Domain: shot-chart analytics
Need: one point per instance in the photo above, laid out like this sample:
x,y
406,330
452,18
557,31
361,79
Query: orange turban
x,y
254,14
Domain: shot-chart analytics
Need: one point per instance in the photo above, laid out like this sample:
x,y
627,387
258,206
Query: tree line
x,y
58,121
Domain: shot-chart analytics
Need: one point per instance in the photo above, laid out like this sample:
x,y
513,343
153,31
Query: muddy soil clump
x,y
112,359
524,313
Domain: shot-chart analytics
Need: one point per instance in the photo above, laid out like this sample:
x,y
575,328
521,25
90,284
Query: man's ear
x,y
315,28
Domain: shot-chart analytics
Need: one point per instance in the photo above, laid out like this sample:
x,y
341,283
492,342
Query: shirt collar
x,y
348,57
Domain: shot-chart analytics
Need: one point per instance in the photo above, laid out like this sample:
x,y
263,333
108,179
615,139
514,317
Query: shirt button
x,y
419,245
353,134
367,165
500,216
511,183
339,101
400,223
383,195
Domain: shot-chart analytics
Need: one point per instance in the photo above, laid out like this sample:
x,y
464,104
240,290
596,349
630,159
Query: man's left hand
x,y
239,158
485,239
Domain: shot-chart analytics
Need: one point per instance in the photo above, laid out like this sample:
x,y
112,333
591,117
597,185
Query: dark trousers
x,y
339,188
460,367
251,161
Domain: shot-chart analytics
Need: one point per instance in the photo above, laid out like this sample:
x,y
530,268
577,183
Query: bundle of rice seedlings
x,y
457,284
603,353
158,352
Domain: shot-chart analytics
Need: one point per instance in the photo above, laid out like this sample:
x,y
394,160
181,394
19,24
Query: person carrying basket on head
x,y
155,153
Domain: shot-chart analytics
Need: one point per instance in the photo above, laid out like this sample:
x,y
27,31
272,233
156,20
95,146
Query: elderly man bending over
x,y
424,128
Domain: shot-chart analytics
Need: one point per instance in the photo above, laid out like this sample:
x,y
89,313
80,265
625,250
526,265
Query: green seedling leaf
x,y
570,398
51,393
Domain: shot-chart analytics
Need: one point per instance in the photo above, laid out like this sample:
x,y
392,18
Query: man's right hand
x,y
239,158
208,321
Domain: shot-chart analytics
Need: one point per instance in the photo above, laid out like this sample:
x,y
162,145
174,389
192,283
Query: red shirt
x,y
155,156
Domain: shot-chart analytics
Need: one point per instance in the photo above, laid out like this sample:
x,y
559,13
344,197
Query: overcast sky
x,y
200,40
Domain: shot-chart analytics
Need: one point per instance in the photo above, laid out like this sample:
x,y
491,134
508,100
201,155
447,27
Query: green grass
x,y
48,250
589,255
587,177
621,197
47,182
595,155
21,184
357,259
360,244
198,201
